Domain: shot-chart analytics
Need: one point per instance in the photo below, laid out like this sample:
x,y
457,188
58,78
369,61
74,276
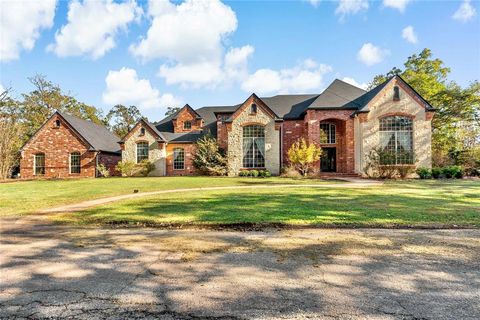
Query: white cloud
x,y
92,27
465,12
400,5
346,7
314,3
191,46
307,76
124,87
353,82
370,54
408,33
20,25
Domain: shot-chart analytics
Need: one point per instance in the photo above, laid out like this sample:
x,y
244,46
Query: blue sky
x,y
214,53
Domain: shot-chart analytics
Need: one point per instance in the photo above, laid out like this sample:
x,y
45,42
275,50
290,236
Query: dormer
x,y
187,120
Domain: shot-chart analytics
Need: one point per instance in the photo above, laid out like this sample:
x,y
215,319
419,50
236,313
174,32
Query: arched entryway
x,y
333,140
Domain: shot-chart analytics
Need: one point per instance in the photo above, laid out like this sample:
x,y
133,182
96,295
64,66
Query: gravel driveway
x,y
50,271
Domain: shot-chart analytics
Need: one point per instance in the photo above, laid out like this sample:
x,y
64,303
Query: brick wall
x,y
189,153
109,160
187,115
309,128
57,144
222,132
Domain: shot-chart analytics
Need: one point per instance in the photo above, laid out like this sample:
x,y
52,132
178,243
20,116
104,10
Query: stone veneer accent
x,y
156,153
367,126
235,138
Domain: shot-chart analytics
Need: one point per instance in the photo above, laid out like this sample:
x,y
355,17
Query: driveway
x,y
50,271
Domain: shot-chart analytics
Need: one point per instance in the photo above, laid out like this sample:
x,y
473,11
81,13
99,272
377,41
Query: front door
x,y
328,160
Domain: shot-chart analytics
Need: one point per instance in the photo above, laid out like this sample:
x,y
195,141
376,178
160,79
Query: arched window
x,y
253,146
142,151
75,162
253,108
39,164
396,140
327,133
396,93
187,125
57,123
142,131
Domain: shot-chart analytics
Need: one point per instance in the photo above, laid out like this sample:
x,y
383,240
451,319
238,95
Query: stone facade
x,y
367,125
156,154
235,137
57,143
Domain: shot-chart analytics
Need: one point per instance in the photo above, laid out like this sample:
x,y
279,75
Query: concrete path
x,y
59,272
350,183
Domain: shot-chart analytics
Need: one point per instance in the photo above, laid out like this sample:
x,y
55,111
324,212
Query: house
x,y
67,146
346,121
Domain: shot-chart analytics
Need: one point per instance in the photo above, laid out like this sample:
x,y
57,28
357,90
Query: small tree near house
x,y
208,157
303,155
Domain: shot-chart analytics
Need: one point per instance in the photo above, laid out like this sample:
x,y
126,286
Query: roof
x,y
98,136
337,95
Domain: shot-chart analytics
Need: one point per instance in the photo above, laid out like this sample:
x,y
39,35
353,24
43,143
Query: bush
x,y
127,168
145,167
453,172
132,169
424,173
254,173
264,174
290,172
303,155
243,173
104,172
208,158
404,170
437,173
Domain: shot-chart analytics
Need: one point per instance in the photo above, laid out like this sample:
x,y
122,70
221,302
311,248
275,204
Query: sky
x,y
158,54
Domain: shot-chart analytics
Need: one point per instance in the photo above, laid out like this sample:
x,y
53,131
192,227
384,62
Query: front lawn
x,y
24,197
413,203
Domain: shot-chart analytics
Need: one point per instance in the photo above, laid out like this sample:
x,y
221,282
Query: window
x,y
142,151
142,131
327,133
396,140
253,146
178,159
75,162
396,93
39,164
253,108
57,123
187,125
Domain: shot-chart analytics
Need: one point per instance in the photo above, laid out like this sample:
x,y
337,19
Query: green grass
x,y
415,203
25,197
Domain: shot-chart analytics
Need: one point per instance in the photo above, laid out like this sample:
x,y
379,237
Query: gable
x,y
135,132
187,115
253,99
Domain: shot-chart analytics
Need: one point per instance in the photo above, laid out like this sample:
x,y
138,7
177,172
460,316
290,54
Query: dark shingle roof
x,y
98,136
337,95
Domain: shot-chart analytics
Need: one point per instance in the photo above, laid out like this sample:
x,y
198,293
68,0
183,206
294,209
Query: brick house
x,y
66,146
346,121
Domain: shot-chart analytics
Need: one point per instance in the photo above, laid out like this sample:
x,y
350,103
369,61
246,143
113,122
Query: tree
x,y
171,111
122,119
302,155
46,98
10,134
208,158
455,126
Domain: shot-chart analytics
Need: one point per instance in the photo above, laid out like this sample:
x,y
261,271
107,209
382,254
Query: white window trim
x,y
70,163
136,150
35,164
328,137
173,159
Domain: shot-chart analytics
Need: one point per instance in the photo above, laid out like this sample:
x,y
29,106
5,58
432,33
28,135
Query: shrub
x,y
104,172
436,173
404,170
127,168
243,173
145,167
264,173
424,173
453,172
302,155
254,173
290,172
208,158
